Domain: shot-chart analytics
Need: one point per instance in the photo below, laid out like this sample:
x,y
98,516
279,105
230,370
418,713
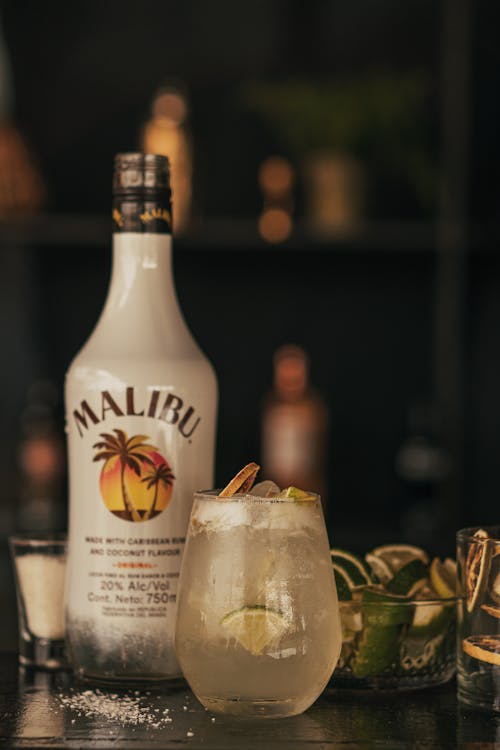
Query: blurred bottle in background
x,y
276,179
41,462
295,420
166,133
421,464
22,190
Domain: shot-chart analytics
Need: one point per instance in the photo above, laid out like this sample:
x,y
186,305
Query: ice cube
x,y
267,488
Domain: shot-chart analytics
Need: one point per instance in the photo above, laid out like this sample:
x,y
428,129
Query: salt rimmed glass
x,y
258,628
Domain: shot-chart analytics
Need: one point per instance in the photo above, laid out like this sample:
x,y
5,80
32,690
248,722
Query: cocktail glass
x,y
478,619
258,628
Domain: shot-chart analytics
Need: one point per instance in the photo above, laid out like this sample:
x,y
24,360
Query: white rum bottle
x,y
141,402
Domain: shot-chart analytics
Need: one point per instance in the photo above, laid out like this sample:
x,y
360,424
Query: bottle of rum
x,y
294,431
141,402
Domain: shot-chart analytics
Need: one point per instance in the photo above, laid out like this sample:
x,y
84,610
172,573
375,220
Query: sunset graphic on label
x,y
136,481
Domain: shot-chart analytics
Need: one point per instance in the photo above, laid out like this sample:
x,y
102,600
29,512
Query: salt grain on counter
x,y
127,709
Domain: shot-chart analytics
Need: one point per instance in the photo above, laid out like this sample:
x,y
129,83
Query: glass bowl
x,y
403,645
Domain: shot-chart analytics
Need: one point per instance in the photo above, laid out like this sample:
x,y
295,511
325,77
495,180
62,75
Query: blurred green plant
x,y
381,117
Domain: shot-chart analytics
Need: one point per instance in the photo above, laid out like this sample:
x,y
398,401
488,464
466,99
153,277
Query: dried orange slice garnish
x,y
483,647
491,610
477,568
242,482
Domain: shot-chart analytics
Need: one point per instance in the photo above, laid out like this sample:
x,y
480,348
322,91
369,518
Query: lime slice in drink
x,y
483,647
443,577
353,567
397,555
477,567
293,493
255,627
409,579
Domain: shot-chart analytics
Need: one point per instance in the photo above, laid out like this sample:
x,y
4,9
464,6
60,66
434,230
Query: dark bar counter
x,y
43,710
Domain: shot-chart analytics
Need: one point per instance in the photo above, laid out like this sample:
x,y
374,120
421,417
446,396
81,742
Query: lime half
x,y
378,646
409,579
255,626
354,568
398,555
431,618
380,567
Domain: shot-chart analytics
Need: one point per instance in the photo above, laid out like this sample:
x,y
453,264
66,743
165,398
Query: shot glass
x,y
478,617
39,570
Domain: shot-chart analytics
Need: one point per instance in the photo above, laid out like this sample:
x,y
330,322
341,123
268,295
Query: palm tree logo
x,y
155,476
121,481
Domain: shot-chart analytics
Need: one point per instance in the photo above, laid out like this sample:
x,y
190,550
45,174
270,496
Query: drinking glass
x,y
39,572
258,629
478,642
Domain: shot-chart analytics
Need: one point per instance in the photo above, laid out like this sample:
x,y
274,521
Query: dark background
x,y
402,311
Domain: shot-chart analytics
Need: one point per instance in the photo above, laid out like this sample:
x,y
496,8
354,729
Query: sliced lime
x,y
255,626
443,577
397,555
483,647
409,579
344,584
355,569
381,608
351,618
430,618
293,493
378,646
380,568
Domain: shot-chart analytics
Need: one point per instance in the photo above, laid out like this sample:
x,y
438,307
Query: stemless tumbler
x,y
478,642
258,628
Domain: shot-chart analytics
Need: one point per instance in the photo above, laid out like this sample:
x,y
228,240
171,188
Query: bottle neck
x,y
141,275
141,278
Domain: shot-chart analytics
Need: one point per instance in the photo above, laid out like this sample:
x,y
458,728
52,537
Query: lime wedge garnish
x,y
353,567
483,647
293,493
255,626
443,577
397,555
409,579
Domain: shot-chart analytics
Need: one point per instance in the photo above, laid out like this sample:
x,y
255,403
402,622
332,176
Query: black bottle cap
x,y
137,173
